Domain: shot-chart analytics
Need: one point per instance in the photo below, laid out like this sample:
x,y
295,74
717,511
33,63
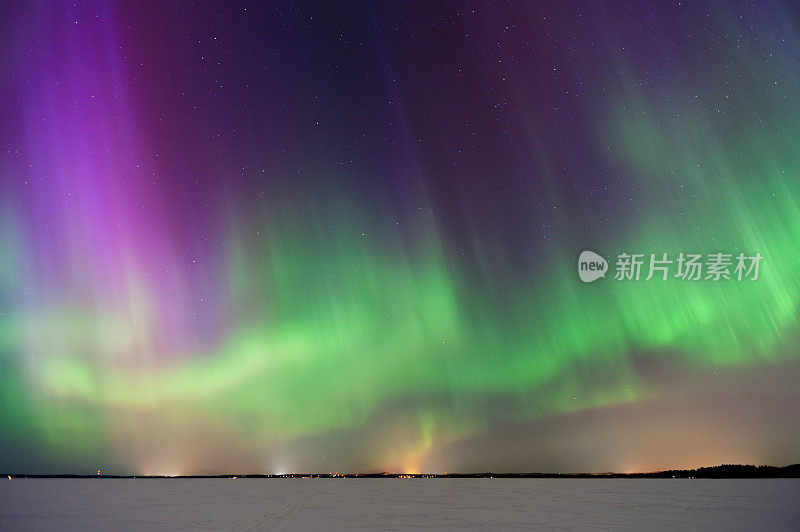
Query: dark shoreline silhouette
x,y
716,472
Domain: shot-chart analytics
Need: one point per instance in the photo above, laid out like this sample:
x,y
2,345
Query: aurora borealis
x,y
310,237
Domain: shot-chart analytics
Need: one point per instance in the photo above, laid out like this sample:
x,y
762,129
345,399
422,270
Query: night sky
x,y
344,238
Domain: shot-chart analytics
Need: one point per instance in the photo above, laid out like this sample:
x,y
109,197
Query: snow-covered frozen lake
x,y
188,504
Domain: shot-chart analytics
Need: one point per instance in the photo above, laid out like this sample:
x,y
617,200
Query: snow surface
x,y
190,504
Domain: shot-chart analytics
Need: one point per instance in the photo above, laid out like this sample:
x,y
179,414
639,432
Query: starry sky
x,y
344,238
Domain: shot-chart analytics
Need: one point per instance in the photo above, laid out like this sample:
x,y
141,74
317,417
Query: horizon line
x,y
715,471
